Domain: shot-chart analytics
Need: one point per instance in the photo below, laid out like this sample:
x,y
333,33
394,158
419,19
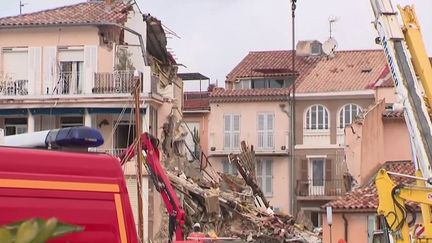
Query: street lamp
x,y
293,55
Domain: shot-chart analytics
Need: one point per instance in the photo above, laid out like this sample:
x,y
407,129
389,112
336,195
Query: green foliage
x,y
124,60
35,231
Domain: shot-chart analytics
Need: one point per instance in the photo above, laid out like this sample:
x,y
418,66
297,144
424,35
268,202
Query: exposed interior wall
x,y
367,151
387,93
396,140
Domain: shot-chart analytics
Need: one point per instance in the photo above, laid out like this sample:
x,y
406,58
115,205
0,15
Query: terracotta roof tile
x,y
365,197
271,63
220,92
196,101
393,114
92,12
346,71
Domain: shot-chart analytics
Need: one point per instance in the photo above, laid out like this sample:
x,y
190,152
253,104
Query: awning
x,y
112,110
57,111
10,112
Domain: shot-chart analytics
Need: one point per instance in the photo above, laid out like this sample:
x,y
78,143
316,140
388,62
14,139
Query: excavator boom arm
x,y
160,179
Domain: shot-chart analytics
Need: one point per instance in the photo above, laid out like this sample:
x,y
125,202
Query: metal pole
x,y
293,120
139,154
331,240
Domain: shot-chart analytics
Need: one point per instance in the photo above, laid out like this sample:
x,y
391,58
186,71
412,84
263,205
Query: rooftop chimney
x,y
309,48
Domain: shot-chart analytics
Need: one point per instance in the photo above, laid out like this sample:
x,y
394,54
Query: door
x,y
70,78
317,175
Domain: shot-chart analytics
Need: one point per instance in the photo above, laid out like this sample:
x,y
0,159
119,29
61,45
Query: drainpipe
x,y
345,227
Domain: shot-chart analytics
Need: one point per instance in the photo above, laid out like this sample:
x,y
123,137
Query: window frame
x,y
229,168
234,142
18,124
262,176
341,115
307,119
266,132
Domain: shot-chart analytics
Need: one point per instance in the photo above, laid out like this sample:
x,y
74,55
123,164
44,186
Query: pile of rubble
x,y
231,206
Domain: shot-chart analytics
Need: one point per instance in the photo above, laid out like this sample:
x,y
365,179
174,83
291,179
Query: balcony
x,y
316,138
113,83
10,86
320,188
69,83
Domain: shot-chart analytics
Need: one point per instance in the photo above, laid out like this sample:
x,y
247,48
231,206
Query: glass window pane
x,y
318,172
320,117
258,84
347,115
313,118
276,83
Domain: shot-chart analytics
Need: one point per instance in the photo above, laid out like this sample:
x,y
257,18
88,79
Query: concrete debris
x,y
237,208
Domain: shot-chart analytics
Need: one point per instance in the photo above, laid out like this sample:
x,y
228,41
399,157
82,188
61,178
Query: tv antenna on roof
x,y
332,19
330,45
21,5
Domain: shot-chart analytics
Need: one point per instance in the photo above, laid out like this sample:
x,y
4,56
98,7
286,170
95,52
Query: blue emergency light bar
x,y
79,137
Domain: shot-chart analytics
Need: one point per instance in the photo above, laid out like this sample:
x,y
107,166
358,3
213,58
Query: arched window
x,y
347,114
317,117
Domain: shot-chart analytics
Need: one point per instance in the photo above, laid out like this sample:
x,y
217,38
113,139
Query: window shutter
x,y
269,177
131,184
259,171
260,129
90,67
270,125
227,131
34,70
304,169
49,69
236,131
328,169
225,166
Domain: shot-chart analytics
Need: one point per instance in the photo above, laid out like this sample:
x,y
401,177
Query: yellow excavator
x,y
412,75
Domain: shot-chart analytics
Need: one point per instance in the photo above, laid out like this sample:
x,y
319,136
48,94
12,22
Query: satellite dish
x,y
329,46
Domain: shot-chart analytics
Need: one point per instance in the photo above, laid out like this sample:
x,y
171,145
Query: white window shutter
x,y
236,131
49,69
268,177
131,184
270,125
227,123
260,129
259,173
90,67
236,121
34,70
227,131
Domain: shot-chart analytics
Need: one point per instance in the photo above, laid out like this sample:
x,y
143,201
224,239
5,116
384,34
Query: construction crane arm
x,y
161,182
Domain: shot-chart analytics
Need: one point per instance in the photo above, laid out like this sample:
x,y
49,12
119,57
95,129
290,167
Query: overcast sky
x,y
216,34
